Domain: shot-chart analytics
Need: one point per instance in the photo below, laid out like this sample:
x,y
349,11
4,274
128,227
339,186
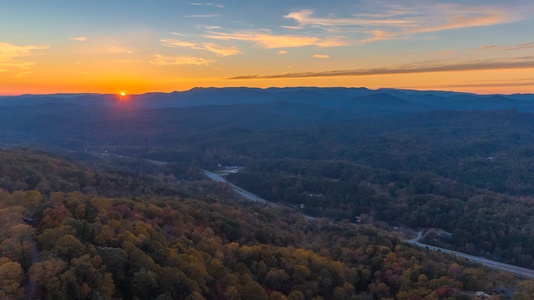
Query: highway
x,y
518,271
247,195
521,272
32,285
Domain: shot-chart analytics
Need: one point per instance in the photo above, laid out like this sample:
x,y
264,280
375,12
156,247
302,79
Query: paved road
x,y
246,194
34,254
522,272
238,190
156,162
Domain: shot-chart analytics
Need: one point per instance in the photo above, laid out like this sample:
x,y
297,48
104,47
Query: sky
x,y
139,46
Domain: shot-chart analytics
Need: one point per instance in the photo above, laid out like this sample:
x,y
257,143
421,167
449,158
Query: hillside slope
x,y
205,245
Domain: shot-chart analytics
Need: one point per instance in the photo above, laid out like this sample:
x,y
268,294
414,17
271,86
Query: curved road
x,y
32,285
238,190
246,194
522,272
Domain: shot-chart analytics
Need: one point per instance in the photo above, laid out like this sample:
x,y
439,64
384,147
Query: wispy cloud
x,y
522,46
206,4
401,21
270,41
9,51
203,16
380,35
395,21
176,43
305,18
162,60
10,58
516,83
79,39
219,50
178,34
211,47
320,56
212,27
423,67
456,16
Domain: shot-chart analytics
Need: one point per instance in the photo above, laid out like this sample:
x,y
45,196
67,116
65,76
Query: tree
x,y
145,284
276,278
524,291
277,296
42,272
11,276
174,282
69,247
296,295
253,290
31,200
115,260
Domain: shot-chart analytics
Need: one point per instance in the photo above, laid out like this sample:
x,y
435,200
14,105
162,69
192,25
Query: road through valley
x,y
522,272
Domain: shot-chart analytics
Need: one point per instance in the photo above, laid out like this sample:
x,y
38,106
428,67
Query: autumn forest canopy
x,y
106,198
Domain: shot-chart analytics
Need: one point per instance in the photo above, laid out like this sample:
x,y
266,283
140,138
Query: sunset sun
x,y
292,149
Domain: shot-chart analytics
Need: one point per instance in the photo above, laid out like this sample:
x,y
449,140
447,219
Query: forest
x,y
452,162
156,239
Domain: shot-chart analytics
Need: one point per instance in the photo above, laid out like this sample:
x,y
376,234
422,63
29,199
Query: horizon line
x,y
255,88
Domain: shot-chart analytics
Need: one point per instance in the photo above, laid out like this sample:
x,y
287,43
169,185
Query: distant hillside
x,y
461,162
97,235
308,95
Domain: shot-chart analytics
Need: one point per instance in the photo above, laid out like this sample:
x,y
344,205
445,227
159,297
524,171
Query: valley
x,y
323,159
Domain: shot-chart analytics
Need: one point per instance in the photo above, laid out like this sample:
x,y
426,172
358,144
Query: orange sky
x,y
138,47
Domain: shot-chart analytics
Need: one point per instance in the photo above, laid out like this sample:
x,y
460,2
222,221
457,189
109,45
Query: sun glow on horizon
x,y
123,97
467,47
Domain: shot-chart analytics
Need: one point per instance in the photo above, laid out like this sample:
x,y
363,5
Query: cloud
x,y
402,21
211,47
522,46
162,60
220,50
281,52
456,16
518,83
80,39
379,35
424,67
395,21
320,56
178,34
10,56
203,16
270,41
206,4
176,43
10,51
304,18
212,27
267,40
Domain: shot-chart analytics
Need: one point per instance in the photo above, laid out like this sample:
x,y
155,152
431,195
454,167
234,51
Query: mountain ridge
x,y
320,96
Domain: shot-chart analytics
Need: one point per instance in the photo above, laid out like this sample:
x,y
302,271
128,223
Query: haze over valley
x,y
391,162
271,150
